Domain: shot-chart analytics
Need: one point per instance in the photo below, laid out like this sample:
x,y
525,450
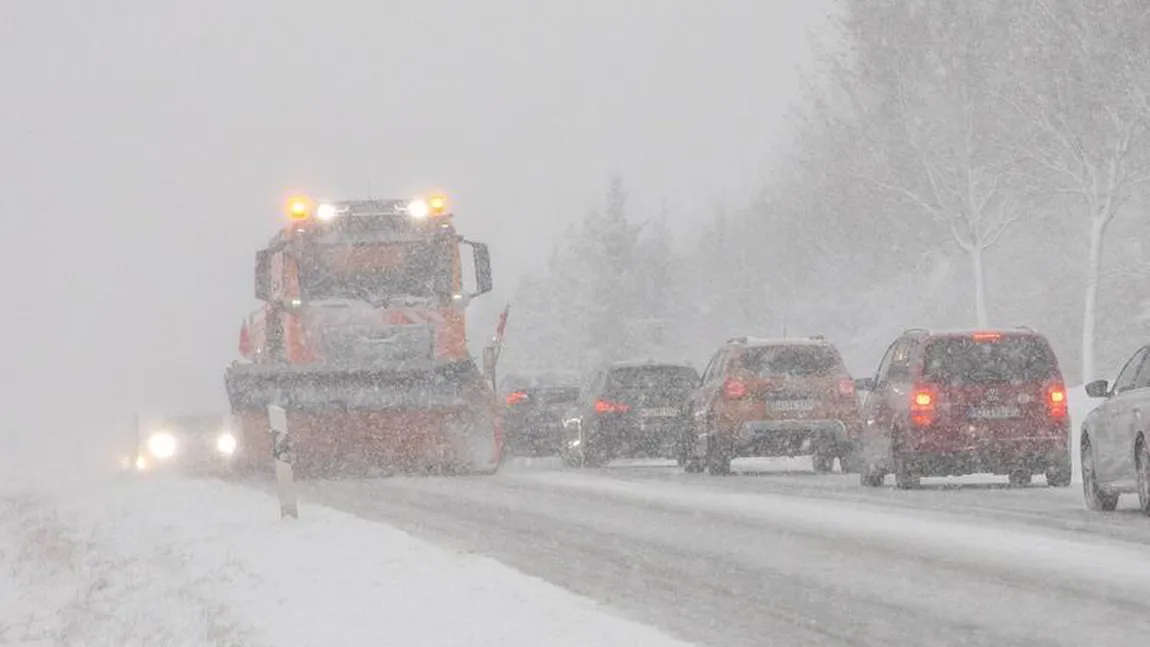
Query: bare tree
x,y
927,78
1086,93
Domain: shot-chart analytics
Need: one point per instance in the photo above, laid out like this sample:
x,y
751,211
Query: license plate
x,y
793,405
995,413
662,412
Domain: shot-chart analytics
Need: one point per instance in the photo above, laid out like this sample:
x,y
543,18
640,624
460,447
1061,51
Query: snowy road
x,y
790,558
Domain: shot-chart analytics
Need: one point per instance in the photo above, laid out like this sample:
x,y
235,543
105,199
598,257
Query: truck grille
x,y
378,344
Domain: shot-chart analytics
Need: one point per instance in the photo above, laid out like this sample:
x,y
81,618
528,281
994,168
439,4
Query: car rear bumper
x,y
637,438
983,462
533,438
989,460
769,438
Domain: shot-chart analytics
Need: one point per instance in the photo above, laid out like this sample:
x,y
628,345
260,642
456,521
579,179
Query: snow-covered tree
x,y
1087,92
612,290
928,78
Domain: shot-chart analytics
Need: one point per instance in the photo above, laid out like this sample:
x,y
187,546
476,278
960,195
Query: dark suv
x,y
772,397
628,410
533,419
956,403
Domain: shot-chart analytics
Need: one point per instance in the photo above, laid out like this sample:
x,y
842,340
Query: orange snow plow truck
x,y
361,339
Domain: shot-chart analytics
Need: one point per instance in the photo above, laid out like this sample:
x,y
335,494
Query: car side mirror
x,y
1098,389
864,384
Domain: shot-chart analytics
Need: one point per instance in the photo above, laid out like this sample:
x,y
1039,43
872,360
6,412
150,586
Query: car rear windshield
x,y
517,382
1010,358
653,378
552,395
793,361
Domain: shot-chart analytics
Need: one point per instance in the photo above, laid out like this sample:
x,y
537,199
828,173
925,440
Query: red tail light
x,y
923,400
516,397
1056,401
606,406
734,389
846,386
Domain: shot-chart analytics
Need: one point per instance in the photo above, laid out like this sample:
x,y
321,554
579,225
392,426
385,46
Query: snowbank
x,y
125,562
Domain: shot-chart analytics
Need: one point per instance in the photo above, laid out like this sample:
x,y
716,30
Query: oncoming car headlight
x,y
226,443
162,445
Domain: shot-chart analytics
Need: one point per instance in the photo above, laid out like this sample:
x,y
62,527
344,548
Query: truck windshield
x,y
377,273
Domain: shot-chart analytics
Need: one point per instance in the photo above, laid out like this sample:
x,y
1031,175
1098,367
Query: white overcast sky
x,y
146,147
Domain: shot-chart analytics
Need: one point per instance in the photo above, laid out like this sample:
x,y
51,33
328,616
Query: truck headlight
x,y
326,212
162,445
418,209
226,443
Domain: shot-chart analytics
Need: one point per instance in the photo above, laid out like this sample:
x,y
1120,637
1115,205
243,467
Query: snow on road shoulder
x,y
179,562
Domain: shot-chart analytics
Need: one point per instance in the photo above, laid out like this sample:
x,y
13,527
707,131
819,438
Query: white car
x,y
1115,453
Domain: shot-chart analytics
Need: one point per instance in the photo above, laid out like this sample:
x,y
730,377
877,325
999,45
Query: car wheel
x,y
871,477
1019,478
849,461
718,459
823,461
1058,475
576,457
719,466
1096,499
683,445
1142,460
687,461
904,476
595,458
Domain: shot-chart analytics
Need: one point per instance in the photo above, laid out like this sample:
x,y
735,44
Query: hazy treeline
x,y
956,163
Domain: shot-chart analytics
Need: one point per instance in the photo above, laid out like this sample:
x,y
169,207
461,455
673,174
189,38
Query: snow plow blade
x,y
349,420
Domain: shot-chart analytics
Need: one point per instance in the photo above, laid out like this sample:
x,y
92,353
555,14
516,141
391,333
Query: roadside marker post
x,y
284,457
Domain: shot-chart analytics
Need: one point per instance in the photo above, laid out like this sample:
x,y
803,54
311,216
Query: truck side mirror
x,y
483,282
263,275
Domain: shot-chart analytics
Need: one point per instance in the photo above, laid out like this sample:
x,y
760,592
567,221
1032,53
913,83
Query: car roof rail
x,y
915,331
818,337
737,340
1026,328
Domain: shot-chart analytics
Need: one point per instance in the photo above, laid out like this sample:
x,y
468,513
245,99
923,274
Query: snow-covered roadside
x,y
167,561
